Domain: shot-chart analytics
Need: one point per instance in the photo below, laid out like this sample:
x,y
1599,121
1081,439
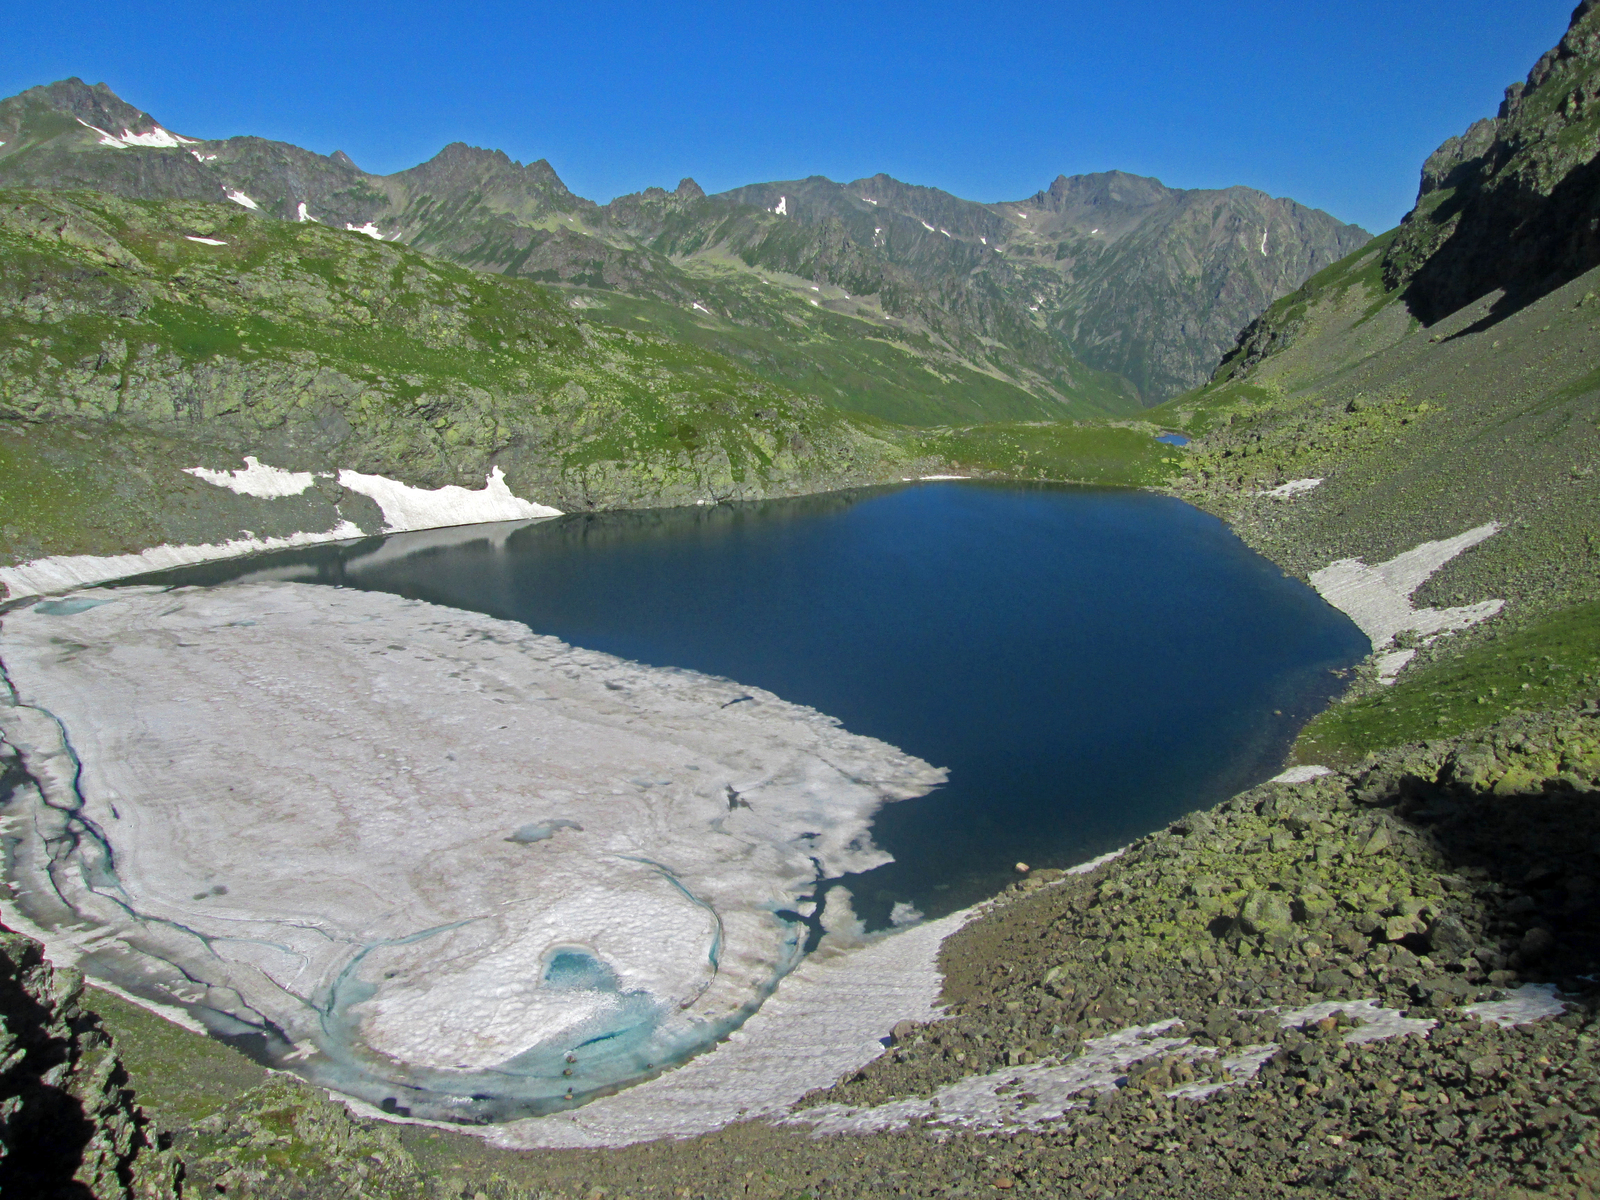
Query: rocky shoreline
x,y
1430,879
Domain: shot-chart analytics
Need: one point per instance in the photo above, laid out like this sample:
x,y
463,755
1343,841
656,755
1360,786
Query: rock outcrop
x,y
69,1127
1514,202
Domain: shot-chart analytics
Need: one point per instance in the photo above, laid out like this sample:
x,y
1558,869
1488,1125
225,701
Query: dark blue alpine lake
x,y
1089,664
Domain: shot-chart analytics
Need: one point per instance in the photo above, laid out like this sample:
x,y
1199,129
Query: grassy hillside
x,y
317,350
1420,433
1085,300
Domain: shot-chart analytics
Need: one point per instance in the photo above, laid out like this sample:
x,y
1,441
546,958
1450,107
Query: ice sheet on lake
x,y
297,809
830,1017
57,573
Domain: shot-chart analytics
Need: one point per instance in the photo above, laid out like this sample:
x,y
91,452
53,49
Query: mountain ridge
x,y
1058,322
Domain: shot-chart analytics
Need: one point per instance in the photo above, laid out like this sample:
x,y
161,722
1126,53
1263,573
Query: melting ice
x,y
422,856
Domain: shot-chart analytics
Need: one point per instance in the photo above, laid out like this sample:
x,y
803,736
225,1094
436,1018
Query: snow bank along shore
x,y
440,863
404,508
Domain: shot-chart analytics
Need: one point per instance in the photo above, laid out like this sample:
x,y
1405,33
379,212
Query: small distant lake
x,y
1089,664
1172,439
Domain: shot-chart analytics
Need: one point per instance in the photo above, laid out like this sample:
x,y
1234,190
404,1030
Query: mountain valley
x,y
1371,976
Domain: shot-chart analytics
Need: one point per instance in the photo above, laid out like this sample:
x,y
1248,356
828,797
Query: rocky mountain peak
x,y
344,160
1512,204
461,165
94,104
688,190
1445,165
1105,189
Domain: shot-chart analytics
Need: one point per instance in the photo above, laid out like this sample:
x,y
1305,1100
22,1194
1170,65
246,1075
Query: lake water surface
x,y
1088,664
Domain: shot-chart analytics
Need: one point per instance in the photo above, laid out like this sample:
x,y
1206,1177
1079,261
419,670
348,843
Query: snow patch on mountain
x,y
255,478
157,139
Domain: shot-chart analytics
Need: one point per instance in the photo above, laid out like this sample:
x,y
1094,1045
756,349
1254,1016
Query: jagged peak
x,y
344,160
97,108
460,156
688,189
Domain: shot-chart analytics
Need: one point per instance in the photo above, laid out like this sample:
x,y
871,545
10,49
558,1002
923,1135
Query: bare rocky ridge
x,y
1511,204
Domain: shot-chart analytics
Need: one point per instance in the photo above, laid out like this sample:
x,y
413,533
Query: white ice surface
x,y
1263,242
158,138
1376,1024
369,229
783,206
59,573
241,199
1018,1097
1390,664
1021,1097
925,225
406,507
1293,488
256,479
904,913
1301,774
360,785
828,1018
205,240
301,213
203,157
1522,1006
106,139
1378,599
702,308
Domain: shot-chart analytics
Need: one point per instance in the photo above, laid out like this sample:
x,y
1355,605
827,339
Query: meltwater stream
x,y
1088,664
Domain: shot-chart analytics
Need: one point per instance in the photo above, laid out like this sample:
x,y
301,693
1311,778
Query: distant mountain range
x,y
1100,295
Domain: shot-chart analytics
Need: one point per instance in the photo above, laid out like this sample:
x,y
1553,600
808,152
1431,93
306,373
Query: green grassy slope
x,y
316,350
1123,455
1419,433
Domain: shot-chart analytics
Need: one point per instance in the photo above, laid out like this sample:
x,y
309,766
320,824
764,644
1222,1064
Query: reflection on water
x,y
1089,664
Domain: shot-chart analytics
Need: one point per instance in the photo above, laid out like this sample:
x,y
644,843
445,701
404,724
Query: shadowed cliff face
x,y
69,1129
1514,203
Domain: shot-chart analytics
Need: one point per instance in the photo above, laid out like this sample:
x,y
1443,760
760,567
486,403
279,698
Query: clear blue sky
x,y
1335,104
